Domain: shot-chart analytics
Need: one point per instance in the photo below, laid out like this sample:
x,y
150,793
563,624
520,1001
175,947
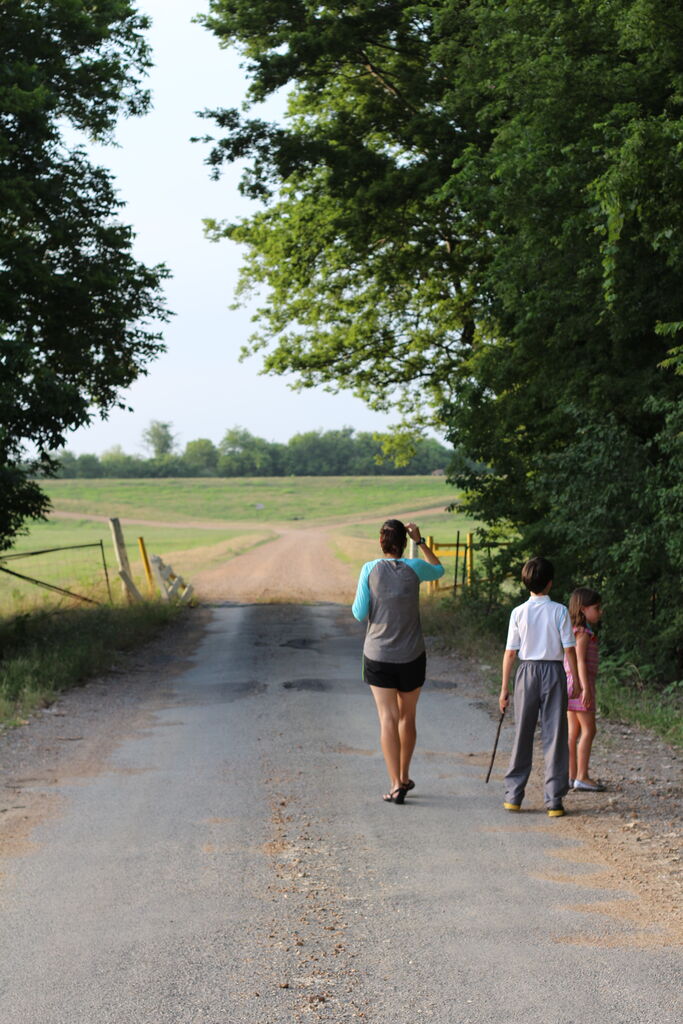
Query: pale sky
x,y
198,384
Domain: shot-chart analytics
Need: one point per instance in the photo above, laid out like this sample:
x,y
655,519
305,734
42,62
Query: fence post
x,y
121,556
432,583
457,557
155,568
470,558
133,594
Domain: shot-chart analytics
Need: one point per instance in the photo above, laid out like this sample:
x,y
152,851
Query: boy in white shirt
x,y
540,633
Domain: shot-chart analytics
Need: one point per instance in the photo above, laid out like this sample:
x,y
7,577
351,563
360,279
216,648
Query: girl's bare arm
x,y
581,651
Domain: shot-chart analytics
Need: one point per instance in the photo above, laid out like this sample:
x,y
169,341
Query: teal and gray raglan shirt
x,y
388,596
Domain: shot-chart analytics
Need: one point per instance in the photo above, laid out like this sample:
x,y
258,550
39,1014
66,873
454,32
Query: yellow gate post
x,y
470,558
432,583
146,566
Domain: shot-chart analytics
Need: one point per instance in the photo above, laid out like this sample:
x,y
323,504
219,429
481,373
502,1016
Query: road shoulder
x,y
633,831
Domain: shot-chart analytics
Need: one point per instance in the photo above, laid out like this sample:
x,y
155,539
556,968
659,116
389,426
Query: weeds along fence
x,y
473,565
463,555
73,572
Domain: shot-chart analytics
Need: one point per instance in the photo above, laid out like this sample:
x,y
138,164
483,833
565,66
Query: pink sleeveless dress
x,y
592,659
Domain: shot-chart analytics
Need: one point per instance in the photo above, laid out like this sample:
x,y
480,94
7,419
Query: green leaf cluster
x,y
76,308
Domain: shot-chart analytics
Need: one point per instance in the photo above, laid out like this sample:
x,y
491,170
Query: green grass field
x,y
231,507
249,499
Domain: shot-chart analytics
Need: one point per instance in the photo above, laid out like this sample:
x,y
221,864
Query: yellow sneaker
x,y
556,812
512,807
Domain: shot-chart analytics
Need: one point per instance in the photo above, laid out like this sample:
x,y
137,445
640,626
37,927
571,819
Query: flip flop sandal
x,y
408,785
397,796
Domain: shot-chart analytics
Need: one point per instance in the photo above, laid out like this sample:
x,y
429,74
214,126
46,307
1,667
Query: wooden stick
x,y
495,745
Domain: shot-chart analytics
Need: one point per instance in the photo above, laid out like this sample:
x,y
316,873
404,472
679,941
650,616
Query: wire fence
x,y
473,565
53,576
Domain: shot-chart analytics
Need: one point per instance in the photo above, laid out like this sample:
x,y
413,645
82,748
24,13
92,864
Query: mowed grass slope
x,y
258,500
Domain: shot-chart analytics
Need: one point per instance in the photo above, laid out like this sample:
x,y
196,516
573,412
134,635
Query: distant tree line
x,y
313,453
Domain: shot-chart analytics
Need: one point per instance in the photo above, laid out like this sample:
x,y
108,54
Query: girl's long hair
x,y
582,597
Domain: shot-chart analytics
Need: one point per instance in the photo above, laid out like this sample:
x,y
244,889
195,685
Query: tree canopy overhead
x,y
76,309
473,213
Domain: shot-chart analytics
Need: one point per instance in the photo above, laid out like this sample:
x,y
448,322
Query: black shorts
x,y
394,675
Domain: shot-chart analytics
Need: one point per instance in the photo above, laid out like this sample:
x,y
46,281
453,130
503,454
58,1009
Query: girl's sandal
x,y
397,796
408,785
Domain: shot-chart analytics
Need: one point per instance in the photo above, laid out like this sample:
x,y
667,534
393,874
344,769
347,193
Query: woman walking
x,y
394,657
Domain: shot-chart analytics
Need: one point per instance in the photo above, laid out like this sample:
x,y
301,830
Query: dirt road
x,y
202,839
299,566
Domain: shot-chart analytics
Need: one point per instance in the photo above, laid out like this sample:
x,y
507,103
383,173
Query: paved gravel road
x,y
232,863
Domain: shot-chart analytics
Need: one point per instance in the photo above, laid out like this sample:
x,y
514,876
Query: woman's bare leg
x,y
585,744
407,732
574,730
387,710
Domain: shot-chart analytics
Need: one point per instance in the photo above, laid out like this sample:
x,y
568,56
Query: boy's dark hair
x,y
393,537
537,573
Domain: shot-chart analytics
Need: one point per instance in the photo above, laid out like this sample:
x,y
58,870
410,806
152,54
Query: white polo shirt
x,y
540,629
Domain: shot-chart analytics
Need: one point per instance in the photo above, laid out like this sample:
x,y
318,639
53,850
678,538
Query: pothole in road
x,y
306,684
300,643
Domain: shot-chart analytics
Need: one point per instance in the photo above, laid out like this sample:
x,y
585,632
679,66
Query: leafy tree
x,y
201,457
88,465
242,454
359,250
117,464
159,438
70,465
476,206
318,453
75,306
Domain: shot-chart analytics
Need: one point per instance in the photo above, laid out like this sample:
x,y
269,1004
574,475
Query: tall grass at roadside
x,y
623,694
44,653
477,631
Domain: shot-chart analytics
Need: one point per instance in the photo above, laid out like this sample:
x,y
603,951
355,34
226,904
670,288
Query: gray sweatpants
x,y
540,689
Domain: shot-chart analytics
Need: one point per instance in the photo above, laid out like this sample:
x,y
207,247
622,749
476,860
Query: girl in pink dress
x,y
585,611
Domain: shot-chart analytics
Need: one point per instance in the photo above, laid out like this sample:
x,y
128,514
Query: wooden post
x,y
132,593
470,558
457,556
121,555
155,569
145,564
